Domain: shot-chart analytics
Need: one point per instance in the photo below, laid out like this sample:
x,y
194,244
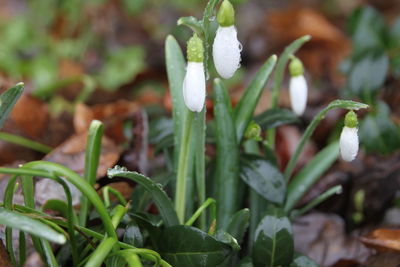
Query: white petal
x,y
194,86
298,94
349,143
226,51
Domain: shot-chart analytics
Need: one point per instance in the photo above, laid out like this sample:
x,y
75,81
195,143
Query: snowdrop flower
x,y
297,87
349,137
226,47
194,84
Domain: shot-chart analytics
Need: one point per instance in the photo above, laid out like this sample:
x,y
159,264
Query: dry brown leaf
x,y
83,116
71,154
383,239
4,259
327,48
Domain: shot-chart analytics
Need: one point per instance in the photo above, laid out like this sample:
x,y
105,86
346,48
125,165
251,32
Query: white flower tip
x,y
349,143
194,87
298,94
226,51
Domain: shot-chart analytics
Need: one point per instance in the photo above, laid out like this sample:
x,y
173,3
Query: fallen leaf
x,y
4,259
383,240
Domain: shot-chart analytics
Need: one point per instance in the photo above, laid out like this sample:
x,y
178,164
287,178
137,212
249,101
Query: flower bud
x,y
349,137
226,47
253,131
194,84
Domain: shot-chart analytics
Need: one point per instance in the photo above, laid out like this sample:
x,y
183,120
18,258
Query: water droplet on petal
x,y
240,47
212,18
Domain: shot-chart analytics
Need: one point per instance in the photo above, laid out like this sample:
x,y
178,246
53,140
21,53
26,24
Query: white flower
x,y
194,86
298,94
226,51
349,143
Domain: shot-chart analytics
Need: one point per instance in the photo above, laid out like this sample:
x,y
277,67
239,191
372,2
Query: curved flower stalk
x,y
226,47
349,137
297,87
194,84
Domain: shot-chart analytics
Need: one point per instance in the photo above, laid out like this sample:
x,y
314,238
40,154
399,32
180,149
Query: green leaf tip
x,y
195,49
226,14
350,120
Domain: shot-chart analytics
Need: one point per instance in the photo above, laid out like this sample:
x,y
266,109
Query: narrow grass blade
x,y
97,258
8,100
245,108
227,163
18,140
310,174
92,157
161,199
29,225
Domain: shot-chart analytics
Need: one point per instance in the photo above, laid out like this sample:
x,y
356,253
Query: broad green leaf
x,y
263,177
378,132
163,203
8,100
238,224
273,118
176,70
310,174
228,239
245,108
227,163
367,28
185,246
368,74
121,67
301,260
133,235
26,224
273,245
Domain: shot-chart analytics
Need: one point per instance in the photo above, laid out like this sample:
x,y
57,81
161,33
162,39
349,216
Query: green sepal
x,y
296,67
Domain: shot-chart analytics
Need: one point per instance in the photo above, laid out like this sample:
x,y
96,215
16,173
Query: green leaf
x,y
228,239
26,224
133,235
378,132
310,174
263,177
238,224
301,260
273,118
121,67
367,28
176,70
8,100
227,162
97,258
185,246
245,108
163,203
368,74
273,244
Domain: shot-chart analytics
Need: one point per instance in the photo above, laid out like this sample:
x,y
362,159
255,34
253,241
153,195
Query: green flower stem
x,y
92,157
200,131
106,195
199,211
180,191
156,257
347,104
98,256
18,140
316,201
279,73
118,212
130,258
48,251
50,169
22,248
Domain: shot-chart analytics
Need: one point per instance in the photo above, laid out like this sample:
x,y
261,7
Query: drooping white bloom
x,y
349,143
298,94
226,51
194,86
